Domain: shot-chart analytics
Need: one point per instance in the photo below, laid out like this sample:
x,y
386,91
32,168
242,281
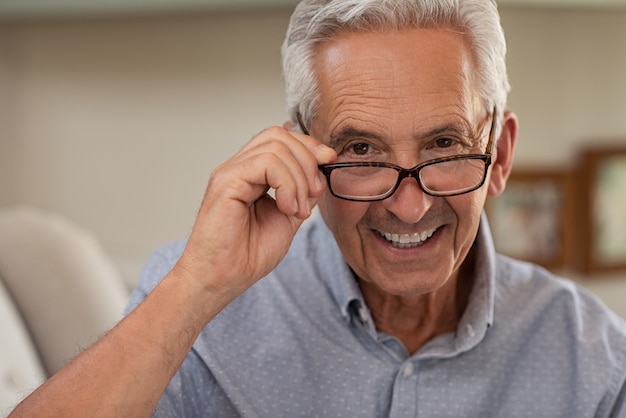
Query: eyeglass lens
x,y
374,182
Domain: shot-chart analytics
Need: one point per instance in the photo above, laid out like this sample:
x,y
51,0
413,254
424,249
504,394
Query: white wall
x,y
117,123
120,122
7,150
568,72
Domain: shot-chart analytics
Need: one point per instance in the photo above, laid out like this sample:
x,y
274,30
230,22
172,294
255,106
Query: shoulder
x,y
561,331
537,288
535,292
298,284
541,306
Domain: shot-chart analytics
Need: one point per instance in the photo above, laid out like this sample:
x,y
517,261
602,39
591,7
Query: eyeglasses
x,y
372,181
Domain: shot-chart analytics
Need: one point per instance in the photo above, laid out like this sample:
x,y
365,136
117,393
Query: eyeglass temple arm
x,y
492,132
301,123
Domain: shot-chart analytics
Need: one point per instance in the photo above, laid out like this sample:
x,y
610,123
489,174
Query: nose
x,y
409,203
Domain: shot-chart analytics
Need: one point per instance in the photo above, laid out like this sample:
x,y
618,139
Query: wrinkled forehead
x,y
416,70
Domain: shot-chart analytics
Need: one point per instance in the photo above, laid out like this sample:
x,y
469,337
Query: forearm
x,y
126,372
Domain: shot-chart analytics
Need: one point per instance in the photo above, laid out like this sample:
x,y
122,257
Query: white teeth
x,y
408,240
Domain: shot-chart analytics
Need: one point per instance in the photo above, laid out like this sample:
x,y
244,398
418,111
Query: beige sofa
x,y
59,292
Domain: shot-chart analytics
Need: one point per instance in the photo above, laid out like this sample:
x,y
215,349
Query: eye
x,y
357,149
360,149
445,146
444,142
450,145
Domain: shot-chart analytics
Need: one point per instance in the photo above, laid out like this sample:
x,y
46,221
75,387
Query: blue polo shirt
x,y
302,343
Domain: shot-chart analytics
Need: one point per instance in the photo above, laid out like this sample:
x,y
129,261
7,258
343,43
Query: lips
x,y
407,240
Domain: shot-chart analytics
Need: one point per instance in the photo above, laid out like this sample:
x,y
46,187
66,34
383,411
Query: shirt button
x,y
408,369
363,315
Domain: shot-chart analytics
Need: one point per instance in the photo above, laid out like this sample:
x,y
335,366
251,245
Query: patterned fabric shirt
x,y
302,343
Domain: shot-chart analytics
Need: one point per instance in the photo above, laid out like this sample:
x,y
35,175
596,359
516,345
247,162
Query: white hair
x,y
317,21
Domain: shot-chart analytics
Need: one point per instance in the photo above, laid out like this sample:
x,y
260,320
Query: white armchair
x,y
59,292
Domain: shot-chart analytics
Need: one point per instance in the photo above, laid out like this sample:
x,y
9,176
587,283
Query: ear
x,y
503,155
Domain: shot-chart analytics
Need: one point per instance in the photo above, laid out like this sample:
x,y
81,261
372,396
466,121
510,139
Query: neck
x,y
417,319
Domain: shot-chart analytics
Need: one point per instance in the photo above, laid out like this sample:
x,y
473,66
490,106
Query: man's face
x,y
397,97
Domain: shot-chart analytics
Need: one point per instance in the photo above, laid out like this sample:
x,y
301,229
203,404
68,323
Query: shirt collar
x,y
478,315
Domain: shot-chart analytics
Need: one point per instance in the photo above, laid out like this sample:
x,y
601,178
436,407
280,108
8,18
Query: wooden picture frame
x,y
603,206
531,220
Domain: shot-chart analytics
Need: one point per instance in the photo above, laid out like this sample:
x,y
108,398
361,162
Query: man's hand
x,y
241,232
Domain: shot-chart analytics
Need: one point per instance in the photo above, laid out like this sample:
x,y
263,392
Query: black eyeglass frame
x,y
414,172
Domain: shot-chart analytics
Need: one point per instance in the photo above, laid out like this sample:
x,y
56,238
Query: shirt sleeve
x,y
155,269
190,393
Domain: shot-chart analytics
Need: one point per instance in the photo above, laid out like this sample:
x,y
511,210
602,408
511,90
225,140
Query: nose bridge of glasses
x,y
408,173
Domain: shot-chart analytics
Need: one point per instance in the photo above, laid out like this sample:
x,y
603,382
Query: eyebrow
x,y
444,129
350,132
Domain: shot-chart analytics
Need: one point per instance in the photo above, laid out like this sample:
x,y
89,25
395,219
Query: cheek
x,y
475,206
341,216
468,209
469,206
332,210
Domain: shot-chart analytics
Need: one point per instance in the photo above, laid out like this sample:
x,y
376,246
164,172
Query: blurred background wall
x,y
117,122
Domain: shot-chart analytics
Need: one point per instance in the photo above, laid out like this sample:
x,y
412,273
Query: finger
x,y
304,150
271,164
286,175
323,153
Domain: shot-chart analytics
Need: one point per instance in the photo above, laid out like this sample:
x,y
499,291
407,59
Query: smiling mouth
x,y
407,240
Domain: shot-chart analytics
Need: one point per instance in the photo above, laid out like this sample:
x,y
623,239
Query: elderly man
x,y
393,301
